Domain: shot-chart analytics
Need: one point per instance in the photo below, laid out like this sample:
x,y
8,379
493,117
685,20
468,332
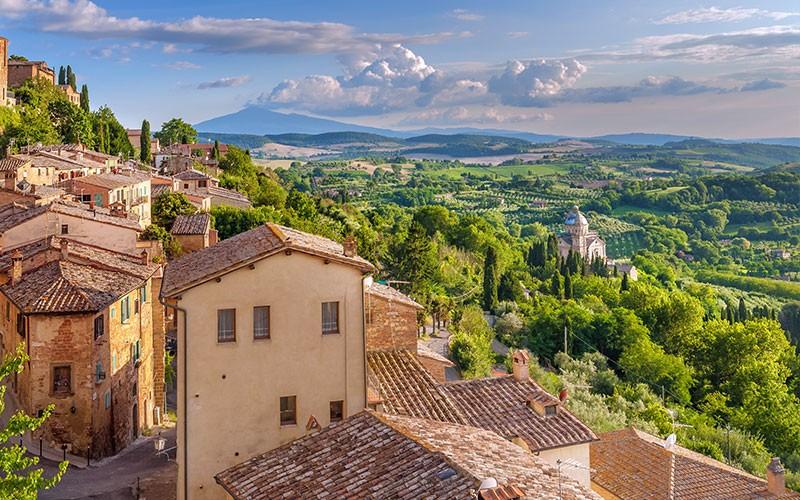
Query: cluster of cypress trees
x,y
740,314
66,76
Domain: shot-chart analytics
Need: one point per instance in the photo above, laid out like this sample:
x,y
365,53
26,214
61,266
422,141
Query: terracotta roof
x,y
632,464
406,388
425,352
391,294
11,164
250,246
157,190
380,456
12,214
112,180
44,159
500,404
63,286
192,174
227,193
191,224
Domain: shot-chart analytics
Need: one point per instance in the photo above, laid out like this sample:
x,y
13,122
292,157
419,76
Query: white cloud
x,y
226,82
181,65
465,15
763,84
517,34
471,115
221,35
530,83
394,66
715,15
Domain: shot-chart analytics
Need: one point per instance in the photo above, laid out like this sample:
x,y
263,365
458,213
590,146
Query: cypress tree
x,y
70,77
625,285
85,98
62,76
144,143
490,279
555,285
742,310
215,151
568,286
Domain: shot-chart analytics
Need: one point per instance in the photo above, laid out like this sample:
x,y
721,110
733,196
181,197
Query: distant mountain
x,y
260,121
257,120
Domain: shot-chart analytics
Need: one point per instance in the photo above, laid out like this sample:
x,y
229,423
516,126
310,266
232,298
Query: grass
x,y
623,210
505,172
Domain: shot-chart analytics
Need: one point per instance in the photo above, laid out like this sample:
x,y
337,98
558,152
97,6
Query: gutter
x,y
185,397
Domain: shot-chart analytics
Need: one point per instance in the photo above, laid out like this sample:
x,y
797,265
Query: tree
x,y
62,76
490,279
71,79
18,478
743,314
471,344
625,286
215,151
555,285
168,206
144,143
85,98
110,136
568,286
418,262
176,131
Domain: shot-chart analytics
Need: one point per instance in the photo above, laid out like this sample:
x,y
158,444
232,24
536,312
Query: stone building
x,y
21,71
579,239
3,71
193,232
72,95
85,315
130,189
391,319
196,183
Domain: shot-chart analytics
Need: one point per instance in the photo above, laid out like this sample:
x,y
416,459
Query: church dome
x,y
575,217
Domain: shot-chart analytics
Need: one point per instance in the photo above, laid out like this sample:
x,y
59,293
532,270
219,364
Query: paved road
x,y
116,477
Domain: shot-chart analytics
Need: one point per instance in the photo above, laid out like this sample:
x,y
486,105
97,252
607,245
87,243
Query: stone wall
x,y
192,242
390,324
159,347
435,367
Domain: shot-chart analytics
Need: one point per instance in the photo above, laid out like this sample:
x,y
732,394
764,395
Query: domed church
x,y
579,239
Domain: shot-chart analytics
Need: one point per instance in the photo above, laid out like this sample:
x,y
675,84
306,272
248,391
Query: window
x,y
226,325
21,324
202,184
113,312
136,306
107,399
113,362
98,199
99,374
337,411
261,322
330,317
64,228
143,294
550,410
288,410
62,379
185,185
136,351
86,198
99,326
8,310
125,309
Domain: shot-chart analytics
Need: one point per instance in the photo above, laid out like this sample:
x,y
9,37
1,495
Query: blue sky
x,y
723,69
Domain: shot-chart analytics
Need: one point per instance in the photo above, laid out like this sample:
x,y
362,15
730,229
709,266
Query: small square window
x,y
62,380
288,410
113,362
64,228
99,327
551,410
261,322
330,317
337,411
125,308
226,325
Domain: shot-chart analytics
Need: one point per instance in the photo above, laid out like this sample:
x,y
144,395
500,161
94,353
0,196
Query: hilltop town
x,y
185,318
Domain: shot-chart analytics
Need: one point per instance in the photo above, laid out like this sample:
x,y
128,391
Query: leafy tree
x,y
110,136
471,344
144,143
71,79
555,286
168,206
490,279
176,131
85,98
568,286
18,477
62,76
417,261
215,151
230,221
170,245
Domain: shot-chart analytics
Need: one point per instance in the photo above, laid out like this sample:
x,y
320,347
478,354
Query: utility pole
x,y
565,339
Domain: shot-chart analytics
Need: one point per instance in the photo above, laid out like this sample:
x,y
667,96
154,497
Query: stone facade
x,y
3,71
578,239
21,71
391,324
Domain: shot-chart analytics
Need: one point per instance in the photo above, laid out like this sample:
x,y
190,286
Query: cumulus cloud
x,y
221,35
226,82
465,15
715,15
763,84
533,83
477,116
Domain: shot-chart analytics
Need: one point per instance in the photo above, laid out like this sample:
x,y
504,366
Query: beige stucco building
x,y
131,190
271,346
578,239
3,71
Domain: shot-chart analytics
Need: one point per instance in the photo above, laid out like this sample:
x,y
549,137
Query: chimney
x,y
145,257
33,188
350,246
519,365
91,204
15,272
64,249
776,479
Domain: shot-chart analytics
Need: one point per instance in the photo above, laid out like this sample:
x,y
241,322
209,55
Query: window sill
x,y
62,395
232,341
259,339
337,332
285,426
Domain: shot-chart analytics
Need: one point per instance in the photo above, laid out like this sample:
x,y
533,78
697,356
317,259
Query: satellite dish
x,y
670,442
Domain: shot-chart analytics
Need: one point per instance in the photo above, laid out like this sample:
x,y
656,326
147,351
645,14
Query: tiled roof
x,y
391,294
632,464
192,174
406,388
227,193
191,224
380,456
242,249
157,190
11,164
44,159
63,286
425,352
500,404
111,180
12,214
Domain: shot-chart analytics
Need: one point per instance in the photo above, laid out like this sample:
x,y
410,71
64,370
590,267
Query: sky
x,y
719,69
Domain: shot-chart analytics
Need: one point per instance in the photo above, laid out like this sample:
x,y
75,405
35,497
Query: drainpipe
x,y
185,397
364,340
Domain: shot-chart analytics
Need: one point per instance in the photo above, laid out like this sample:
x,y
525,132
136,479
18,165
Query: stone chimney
x,y
64,249
519,365
776,479
350,246
15,271
145,256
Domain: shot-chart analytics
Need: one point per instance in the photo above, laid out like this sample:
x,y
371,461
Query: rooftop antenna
x,y
568,462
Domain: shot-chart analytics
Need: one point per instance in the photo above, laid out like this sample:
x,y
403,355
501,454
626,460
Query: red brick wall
x,y
390,324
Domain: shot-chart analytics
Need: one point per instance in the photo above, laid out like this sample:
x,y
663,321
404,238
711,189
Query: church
x,y
579,239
